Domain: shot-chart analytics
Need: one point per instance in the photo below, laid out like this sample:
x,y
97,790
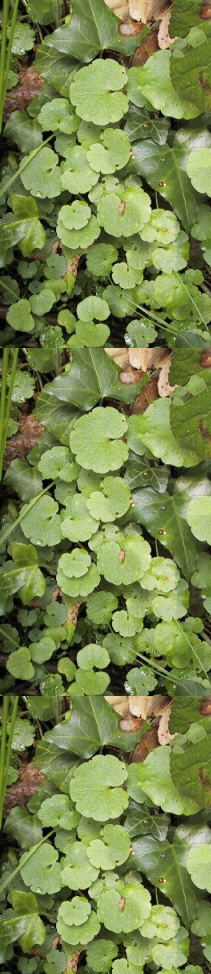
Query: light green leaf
x,y
95,92
95,788
198,863
101,433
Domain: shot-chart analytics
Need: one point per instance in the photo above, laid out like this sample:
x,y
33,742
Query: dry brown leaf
x,y
140,358
130,723
20,444
164,41
164,387
164,735
205,360
120,8
148,743
120,704
147,706
148,47
139,706
20,96
20,793
147,358
205,707
130,375
148,395
143,11
119,355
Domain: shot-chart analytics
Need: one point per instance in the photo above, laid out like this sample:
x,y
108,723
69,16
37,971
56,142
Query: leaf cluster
x,y
76,220
105,561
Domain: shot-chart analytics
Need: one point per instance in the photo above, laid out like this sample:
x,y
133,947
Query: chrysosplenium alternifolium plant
x,y
105,228
111,855
105,568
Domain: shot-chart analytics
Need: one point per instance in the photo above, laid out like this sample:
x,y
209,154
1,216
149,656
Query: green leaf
x,y
198,170
156,782
198,863
125,213
124,909
93,307
23,923
57,115
57,810
57,68
57,464
141,125
95,92
154,81
183,18
78,524
23,736
191,76
42,174
163,922
77,175
92,31
19,316
191,771
164,515
19,664
198,518
162,169
92,725
95,788
23,827
23,478
76,575
77,924
111,850
164,865
42,523
92,655
111,502
45,876
22,130
155,432
113,152
43,11
77,226
93,376
23,38
101,431
124,560
77,871
191,423
100,955
22,227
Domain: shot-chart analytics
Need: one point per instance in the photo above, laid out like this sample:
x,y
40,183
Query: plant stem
x,y
5,403
6,50
24,163
6,746
24,858
24,510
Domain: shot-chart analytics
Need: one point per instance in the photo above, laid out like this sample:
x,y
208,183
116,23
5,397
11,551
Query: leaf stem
x,y
23,860
6,746
25,510
24,163
6,50
5,403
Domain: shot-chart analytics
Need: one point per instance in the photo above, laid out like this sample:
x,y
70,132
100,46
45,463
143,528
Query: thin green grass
x,y
6,48
9,713
9,365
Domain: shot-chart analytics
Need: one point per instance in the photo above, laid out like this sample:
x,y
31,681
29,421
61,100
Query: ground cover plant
x,y
105,531
105,847
105,189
